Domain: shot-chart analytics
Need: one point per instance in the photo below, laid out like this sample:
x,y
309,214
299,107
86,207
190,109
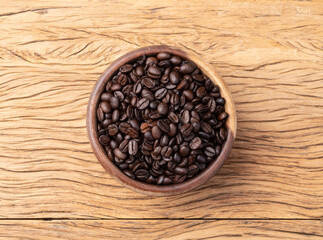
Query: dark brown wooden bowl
x,y
113,170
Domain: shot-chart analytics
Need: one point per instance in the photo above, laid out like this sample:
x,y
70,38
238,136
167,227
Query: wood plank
x,y
269,53
161,229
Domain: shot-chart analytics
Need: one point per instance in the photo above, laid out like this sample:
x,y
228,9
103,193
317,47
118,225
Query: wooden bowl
x,y
113,170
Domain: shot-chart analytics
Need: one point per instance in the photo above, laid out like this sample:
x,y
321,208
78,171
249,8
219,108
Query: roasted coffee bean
x,y
185,118
195,143
117,152
209,151
112,129
156,132
160,93
184,150
148,82
139,71
146,93
105,106
126,68
186,129
104,140
142,174
223,116
133,147
188,94
153,72
163,56
129,173
161,119
124,146
100,114
163,125
186,68
114,102
192,170
142,103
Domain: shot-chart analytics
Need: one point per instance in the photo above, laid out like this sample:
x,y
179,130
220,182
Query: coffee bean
x,y
200,92
114,102
173,117
185,118
146,93
106,96
115,87
163,126
112,129
117,152
206,127
195,143
129,173
198,77
104,140
162,108
153,72
186,129
142,103
174,77
188,94
115,115
125,68
123,127
105,106
148,82
220,101
134,124
176,60
184,150
209,151
163,56
192,170
223,116
137,87
186,68
133,147
100,114
132,132
223,134
160,93
139,71
156,132
142,174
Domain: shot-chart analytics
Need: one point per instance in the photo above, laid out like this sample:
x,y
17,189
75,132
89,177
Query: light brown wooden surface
x,y
270,55
161,229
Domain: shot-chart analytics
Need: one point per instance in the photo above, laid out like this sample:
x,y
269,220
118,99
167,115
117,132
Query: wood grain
x,y
269,53
160,229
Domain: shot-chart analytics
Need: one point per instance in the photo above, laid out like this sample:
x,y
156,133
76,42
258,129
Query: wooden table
x,y
269,53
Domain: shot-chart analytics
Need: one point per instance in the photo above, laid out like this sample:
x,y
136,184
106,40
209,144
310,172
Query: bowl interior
x,y
142,187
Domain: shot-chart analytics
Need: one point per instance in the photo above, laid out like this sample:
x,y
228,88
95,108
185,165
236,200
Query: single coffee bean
x,y
206,127
209,151
126,68
192,170
139,71
185,117
112,129
220,101
174,77
105,106
162,108
180,170
129,173
212,105
142,174
106,96
142,103
137,87
186,129
176,60
184,151
100,114
186,68
163,56
115,115
116,87
160,93
223,116
117,152
153,72
133,147
156,132
163,125
114,102
104,140
188,94
200,92
173,117
195,143
148,82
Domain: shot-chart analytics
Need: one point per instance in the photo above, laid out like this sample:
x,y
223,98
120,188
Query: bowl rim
x,y
113,170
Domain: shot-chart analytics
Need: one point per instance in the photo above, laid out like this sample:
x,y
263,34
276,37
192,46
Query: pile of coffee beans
x,y
161,120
